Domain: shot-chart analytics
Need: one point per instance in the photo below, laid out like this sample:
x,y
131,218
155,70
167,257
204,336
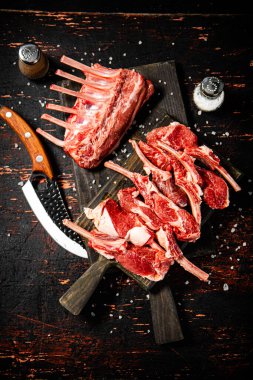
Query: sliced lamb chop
x,y
108,217
186,177
166,239
206,155
105,244
180,137
144,261
104,109
165,234
129,201
183,223
215,189
163,161
177,135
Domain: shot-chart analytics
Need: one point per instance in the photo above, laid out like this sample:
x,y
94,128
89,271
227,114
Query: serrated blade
x,y
50,210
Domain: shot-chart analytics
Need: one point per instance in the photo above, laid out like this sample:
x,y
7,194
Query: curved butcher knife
x,y
41,190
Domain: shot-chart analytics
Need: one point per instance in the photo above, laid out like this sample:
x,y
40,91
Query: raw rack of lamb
x,y
105,108
141,232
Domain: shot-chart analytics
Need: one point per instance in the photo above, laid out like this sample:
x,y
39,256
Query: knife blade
x,y
41,190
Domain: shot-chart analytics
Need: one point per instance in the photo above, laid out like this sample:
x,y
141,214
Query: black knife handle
x,y
80,292
29,138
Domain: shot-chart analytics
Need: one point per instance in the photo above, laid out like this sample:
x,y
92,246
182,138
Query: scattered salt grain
x,y
93,181
131,301
99,185
226,133
16,145
164,82
21,183
148,331
14,63
58,45
179,303
172,43
8,234
213,133
232,267
213,256
124,54
186,282
199,112
171,93
28,83
140,42
110,58
244,244
120,316
107,178
249,180
157,119
238,259
160,81
147,296
225,287
92,314
217,237
232,230
117,294
250,192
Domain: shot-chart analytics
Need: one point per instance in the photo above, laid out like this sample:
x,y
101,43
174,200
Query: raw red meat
x,y
183,223
105,108
161,178
185,175
144,261
177,135
215,189
167,241
129,200
164,232
108,217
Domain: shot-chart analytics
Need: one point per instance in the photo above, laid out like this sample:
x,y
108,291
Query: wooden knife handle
x,y
166,324
80,292
29,138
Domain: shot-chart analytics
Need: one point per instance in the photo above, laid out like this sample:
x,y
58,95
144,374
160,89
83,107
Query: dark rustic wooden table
x,y
113,338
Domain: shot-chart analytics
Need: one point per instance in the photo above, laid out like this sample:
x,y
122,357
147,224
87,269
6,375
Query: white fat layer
x,y
162,239
104,224
138,236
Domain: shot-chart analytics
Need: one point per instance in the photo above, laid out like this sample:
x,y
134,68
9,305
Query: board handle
x,y
29,138
80,292
166,324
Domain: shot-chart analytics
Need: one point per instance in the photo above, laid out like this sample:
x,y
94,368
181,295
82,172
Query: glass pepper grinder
x,y
209,94
32,62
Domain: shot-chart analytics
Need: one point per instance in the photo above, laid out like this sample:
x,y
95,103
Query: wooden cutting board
x,y
165,105
93,186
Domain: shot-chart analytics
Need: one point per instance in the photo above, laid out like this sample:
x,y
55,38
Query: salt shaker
x,y
32,61
209,94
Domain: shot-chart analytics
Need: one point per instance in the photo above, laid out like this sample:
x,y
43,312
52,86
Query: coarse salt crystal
x,y
225,287
140,42
92,314
199,112
120,316
244,244
213,133
232,230
186,282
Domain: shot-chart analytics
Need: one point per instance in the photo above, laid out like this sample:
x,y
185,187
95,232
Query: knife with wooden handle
x,y
41,190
